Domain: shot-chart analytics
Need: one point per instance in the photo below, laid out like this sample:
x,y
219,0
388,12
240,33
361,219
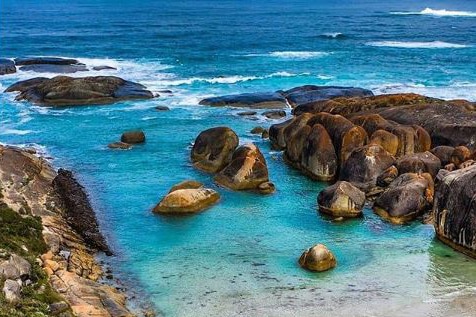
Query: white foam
x,y
455,90
15,132
439,13
426,45
333,35
298,54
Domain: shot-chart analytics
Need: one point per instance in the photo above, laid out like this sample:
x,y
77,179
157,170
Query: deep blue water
x,y
240,257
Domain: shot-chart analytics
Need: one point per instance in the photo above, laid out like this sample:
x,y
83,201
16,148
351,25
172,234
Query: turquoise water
x,y
240,257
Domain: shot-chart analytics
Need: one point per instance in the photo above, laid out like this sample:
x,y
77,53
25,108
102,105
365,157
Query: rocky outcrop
x,y
7,66
341,200
26,61
69,91
276,135
50,65
213,149
310,93
407,197
454,209
187,197
249,100
26,187
317,259
365,165
246,171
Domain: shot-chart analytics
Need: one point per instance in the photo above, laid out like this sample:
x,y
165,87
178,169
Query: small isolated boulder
x,y
119,145
365,165
162,108
424,162
318,259
405,198
257,130
213,149
133,137
246,171
187,197
341,200
7,66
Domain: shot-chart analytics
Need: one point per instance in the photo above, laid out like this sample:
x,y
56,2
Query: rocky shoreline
x,y
33,190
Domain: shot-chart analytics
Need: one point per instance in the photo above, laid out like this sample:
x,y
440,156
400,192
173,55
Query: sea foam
x,y
433,44
439,13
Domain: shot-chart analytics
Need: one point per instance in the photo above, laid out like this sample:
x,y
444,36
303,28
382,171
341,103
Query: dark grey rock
x,y
310,93
266,100
7,66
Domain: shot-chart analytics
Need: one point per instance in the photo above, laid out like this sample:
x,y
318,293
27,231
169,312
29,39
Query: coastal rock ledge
x,y
69,91
63,250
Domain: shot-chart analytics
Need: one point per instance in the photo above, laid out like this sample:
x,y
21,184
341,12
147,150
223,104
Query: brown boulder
x,y
422,140
424,162
443,152
318,259
186,199
246,171
460,155
405,198
276,135
341,200
385,139
364,166
213,149
318,157
133,137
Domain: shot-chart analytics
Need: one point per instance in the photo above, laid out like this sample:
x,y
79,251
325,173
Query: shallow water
x,y
240,257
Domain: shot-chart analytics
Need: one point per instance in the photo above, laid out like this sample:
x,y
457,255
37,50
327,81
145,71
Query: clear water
x,y
240,257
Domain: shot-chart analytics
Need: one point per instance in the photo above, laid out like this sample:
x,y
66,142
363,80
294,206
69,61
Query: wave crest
x,y
439,13
434,44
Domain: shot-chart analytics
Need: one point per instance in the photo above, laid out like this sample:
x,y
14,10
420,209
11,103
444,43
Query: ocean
x,y
240,256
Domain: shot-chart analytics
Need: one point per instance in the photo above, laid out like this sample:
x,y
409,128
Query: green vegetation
x,y
22,235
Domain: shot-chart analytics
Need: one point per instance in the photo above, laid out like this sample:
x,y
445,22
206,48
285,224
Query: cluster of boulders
x,y
16,272
217,151
46,65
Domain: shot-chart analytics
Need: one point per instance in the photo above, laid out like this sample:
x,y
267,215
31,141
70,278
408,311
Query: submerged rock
x,y
162,108
310,93
405,198
7,66
257,130
250,100
246,171
274,114
341,200
68,91
133,137
454,209
318,259
187,197
213,149
104,67
119,145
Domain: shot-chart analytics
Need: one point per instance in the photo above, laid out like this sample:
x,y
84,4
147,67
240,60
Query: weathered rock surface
x,y
55,69
250,100
69,91
133,137
246,171
310,93
405,198
45,60
276,135
7,66
187,197
77,271
318,259
15,268
443,152
11,291
213,149
454,209
274,114
79,213
424,162
341,200
365,165
460,155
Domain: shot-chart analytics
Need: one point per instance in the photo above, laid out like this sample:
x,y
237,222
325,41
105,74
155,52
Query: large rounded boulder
x,y
341,200
317,259
424,162
318,157
405,198
213,149
443,152
187,197
246,171
365,165
276,134
454,209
